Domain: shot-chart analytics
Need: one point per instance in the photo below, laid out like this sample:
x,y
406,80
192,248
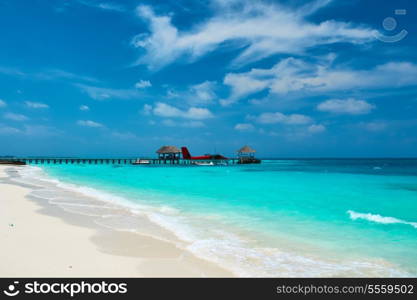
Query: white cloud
x,y
292,75
53,74
165,110
261,29
278,117
7,130
193,124
11,71
374,125
349,106
49,74
169,123
30,130
244,127
3,103
316,128
142,84
242,85
84,108
202,93
111,6
187,124
99,93
36,104
41,130
15,117
89,123
124,135
103,5
168,111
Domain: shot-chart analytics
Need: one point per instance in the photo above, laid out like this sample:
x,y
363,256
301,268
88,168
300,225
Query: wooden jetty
x,y
101,161
166,155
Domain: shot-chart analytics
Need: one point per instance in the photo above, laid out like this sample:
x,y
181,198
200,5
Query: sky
x,y
292,78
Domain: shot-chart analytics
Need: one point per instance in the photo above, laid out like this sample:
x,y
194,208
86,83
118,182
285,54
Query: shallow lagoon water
x,y
280,218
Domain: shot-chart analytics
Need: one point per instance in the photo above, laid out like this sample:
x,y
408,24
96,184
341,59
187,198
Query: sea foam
x,y
378,218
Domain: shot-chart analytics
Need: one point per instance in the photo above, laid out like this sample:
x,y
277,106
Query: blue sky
x,y
290,78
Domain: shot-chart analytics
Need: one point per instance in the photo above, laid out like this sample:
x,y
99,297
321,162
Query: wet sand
x,y
40,239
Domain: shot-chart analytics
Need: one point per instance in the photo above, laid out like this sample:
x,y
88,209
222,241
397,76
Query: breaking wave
x,y
378,218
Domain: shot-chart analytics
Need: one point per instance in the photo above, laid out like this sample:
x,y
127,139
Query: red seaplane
x,y
210,159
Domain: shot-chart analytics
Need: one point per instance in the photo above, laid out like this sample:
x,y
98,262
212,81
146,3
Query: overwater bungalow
x,y
169,153
246,155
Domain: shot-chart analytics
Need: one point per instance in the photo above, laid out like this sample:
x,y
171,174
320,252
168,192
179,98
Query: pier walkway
x,y
114,161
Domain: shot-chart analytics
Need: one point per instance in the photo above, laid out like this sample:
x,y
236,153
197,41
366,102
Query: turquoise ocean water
x,y
338,217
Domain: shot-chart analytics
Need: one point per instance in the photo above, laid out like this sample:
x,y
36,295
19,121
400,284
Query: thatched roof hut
x,y
168,150
168,153
246,155
246,149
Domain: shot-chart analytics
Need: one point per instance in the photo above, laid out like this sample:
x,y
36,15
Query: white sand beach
x,y
40,240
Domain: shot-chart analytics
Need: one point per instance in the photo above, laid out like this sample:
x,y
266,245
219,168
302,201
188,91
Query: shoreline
x,y
165,240
43,240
